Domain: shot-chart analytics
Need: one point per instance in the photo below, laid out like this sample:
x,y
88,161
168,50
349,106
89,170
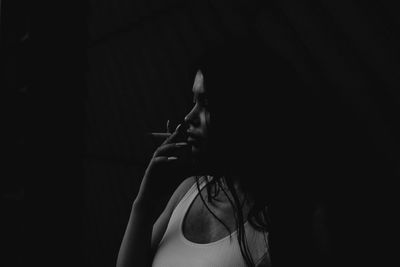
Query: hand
x,y
168,167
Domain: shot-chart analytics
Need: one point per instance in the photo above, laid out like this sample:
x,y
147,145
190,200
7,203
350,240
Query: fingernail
x,y
172,158
181,144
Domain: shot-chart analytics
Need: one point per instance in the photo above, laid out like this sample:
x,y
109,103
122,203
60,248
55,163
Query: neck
x,y
238,190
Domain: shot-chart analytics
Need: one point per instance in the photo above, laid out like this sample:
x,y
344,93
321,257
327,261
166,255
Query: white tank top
x,y
175,250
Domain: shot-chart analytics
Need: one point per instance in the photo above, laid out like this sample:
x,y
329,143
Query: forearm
x,y
135,248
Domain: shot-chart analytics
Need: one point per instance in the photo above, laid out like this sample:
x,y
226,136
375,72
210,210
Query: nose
x,y
192,117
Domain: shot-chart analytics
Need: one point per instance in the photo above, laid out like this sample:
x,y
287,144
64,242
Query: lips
x,y
192,135
192,138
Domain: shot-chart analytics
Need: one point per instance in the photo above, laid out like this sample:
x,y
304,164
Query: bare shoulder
x,y
161,224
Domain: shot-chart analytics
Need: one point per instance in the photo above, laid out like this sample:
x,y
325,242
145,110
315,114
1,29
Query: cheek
x,y
208,120
205,121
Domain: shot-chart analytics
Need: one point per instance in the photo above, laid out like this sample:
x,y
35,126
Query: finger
x,y
173,138
158,138
165,159
175,160
179,135
170,149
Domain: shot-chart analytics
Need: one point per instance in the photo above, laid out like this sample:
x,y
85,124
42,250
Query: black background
x,y
84,81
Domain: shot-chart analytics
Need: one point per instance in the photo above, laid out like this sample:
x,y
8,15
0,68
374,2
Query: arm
x,y
135,246
158,194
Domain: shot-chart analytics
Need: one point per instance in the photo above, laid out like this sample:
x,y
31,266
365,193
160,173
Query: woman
x,y
238,148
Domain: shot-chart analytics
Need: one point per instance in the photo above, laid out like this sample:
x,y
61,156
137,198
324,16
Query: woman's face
x,y
198,119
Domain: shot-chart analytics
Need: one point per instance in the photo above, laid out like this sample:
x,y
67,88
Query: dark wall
x,y
14,84
105,73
